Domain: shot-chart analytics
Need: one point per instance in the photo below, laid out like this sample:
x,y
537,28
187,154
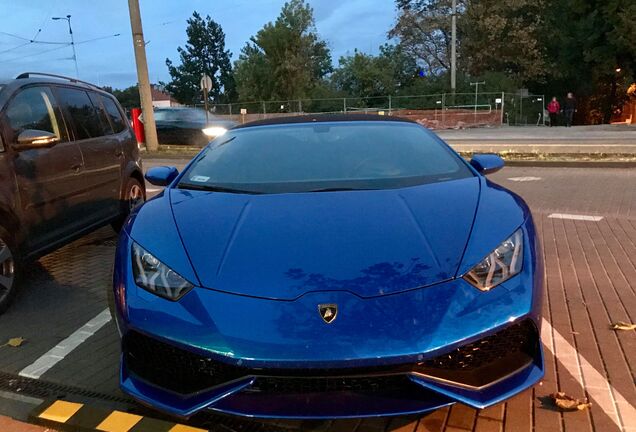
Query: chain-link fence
x,y
444,110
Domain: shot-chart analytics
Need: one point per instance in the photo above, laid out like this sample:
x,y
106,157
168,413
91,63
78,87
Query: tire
x,y
8,270
134,196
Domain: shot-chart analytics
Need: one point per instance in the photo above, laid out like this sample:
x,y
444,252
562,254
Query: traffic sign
x,y
206,82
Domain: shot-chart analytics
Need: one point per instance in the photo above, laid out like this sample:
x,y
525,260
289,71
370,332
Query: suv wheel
x,y
134,196
8,272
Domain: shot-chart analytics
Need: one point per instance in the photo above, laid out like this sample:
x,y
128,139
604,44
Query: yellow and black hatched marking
x,y
77,417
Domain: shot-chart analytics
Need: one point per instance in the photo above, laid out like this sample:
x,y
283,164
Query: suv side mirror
x,y
161,175
34,138
487,163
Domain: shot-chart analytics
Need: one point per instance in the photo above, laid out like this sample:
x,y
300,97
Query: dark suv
x,y
69,164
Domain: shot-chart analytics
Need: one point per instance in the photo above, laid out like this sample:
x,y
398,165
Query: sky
x,y
345,25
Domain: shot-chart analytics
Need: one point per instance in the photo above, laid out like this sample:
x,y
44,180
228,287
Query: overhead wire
x,y
44,21
61,45
32,40
15,48
37,53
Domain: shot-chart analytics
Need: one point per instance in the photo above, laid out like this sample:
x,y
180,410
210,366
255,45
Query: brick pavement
x,y
8,424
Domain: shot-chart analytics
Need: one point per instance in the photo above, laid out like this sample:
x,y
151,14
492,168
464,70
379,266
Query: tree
x,y
365,75
285,60
504,36
128,97
493,36
204,53
587,42
424,31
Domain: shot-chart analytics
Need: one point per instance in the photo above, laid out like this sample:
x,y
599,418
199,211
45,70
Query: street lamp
x,y
70,31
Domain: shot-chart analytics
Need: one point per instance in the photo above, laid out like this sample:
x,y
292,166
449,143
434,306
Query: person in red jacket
x,y
553,109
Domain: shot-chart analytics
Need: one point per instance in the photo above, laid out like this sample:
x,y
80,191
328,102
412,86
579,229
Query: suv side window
x,y
119,123
82,111
103,118
35,108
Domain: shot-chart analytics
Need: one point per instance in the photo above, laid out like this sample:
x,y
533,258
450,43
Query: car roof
x,y
22,80
324,118
12,85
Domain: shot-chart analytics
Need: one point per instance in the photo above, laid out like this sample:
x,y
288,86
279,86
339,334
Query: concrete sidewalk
x,y
608,139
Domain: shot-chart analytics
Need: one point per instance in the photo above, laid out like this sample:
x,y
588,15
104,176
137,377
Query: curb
x,y
571,164
575,160
574,163
78,417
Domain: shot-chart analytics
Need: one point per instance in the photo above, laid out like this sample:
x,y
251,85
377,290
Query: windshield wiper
x,y
214,188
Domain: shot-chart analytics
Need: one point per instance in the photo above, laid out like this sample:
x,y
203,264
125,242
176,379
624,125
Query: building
x,y
161,99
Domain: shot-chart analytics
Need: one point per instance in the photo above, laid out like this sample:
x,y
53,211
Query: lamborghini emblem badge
x,y
328,312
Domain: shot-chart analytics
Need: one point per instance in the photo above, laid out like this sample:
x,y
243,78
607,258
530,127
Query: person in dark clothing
x,y
553,109
569,108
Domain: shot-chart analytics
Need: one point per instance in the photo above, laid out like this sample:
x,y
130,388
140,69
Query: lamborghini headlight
x,y
156,277
500,265
214,131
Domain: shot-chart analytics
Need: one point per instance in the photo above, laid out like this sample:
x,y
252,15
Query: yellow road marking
x,y
119,421
184,428
60,411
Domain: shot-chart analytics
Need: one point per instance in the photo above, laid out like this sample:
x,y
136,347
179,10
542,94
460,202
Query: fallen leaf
x,y
568,403
15,342
620,325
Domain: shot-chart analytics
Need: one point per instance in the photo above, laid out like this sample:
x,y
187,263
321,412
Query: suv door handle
x,y
76,168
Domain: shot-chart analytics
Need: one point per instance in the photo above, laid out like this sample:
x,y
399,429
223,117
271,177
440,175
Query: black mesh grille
x,y
356,384
174,369
474,364
487,359
517,338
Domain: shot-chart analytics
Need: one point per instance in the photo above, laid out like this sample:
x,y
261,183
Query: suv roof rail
x,y
75,80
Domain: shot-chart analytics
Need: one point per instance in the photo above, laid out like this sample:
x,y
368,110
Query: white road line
x,y
524,179
615,405
575,217
61,350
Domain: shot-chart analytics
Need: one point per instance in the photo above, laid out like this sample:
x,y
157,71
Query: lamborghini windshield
x,y
323,156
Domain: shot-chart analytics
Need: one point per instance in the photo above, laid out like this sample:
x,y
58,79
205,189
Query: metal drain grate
x,y
50,390
47,390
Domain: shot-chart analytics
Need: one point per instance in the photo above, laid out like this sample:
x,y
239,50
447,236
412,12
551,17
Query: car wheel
x,y
8,270
134,196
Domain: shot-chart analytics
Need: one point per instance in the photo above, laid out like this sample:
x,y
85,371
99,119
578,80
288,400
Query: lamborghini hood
x,y
369,243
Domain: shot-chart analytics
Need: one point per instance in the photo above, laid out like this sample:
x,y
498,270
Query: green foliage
x,y
285,60
423,29
128,97
204,53
504,36
368,76
586,41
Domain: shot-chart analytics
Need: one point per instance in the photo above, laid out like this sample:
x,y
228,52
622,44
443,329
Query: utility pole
x,y
70,31
477,84
454,48
152,144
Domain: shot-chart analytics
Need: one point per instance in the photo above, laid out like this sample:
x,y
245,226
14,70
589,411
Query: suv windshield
x,y
323,157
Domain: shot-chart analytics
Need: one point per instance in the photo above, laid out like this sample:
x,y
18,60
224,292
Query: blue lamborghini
x,y
328,267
